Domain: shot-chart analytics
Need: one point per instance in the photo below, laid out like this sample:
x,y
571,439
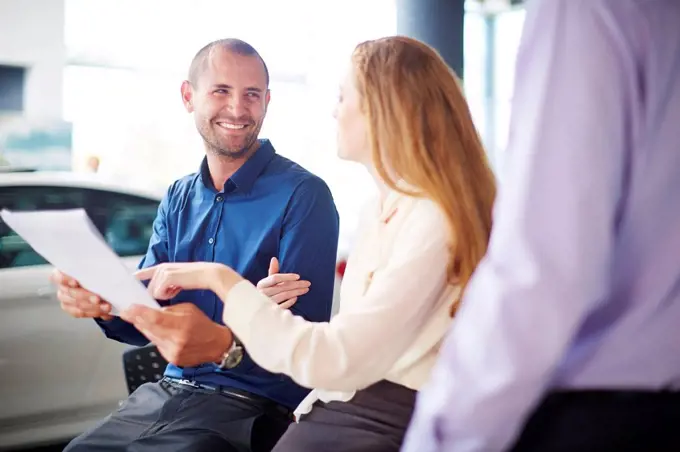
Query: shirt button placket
x,y
218,199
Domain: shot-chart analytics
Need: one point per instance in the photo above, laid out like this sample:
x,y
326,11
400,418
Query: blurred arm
x,y
549,259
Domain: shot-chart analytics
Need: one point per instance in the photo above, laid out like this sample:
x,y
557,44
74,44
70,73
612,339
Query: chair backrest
x,y
142,365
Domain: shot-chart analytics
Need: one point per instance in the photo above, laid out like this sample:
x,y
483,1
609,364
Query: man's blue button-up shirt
x,y
271,207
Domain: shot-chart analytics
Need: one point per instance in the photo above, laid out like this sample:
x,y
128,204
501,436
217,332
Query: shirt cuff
x,y
115,320
241,305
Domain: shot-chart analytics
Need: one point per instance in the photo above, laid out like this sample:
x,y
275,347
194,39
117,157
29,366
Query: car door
x,y
44,353
59,375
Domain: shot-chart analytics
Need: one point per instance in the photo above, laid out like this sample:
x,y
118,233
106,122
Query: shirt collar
x,y
393,198
388,207
244,178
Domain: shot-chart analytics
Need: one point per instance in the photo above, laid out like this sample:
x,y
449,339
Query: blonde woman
x,y
401,113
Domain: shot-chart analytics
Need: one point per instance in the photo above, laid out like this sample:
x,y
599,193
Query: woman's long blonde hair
x,y
421,131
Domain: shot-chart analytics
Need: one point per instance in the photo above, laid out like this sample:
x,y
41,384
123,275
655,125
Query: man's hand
x,y
78,302
184,335
283,288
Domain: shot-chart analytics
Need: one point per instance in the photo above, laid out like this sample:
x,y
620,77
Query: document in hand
x,y
69,241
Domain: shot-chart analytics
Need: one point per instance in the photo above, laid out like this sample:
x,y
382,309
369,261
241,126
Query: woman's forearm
x,y
223,281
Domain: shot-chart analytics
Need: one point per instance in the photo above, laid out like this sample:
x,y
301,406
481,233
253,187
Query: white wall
x,y
32,35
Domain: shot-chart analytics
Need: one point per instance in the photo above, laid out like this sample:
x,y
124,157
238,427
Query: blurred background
x,y
100,78
91,116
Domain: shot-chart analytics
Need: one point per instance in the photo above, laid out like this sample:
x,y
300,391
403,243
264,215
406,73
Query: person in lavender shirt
x,y
568,338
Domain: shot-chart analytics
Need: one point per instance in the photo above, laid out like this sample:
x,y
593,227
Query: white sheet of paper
x,y
69,241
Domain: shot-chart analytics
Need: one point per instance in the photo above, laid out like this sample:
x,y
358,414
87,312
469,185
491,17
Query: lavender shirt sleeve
x,y
550,255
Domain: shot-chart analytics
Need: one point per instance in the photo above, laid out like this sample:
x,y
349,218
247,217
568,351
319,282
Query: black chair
x,y
142,365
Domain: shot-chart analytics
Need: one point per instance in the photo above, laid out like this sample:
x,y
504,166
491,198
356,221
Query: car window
x,y
125,221
14,251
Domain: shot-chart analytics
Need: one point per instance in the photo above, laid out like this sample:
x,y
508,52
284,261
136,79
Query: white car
x,y
59,375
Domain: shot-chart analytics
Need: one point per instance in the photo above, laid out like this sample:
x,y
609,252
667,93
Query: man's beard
x,y
215,146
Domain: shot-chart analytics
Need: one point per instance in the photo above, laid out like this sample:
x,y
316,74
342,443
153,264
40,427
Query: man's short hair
x,y
237,46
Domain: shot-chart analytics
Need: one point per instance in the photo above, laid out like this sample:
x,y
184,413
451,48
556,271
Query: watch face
x,y
234,358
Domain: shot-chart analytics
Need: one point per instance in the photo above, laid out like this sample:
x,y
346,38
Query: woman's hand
x,y
283,288
169,279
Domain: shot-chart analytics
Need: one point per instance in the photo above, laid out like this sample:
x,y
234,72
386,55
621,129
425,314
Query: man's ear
x,y
187,95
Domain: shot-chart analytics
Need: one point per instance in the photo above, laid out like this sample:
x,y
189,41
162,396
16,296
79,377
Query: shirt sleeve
x,y
358,346
309,246
549,259
157,252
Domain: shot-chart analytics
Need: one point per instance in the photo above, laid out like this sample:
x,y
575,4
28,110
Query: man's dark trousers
x,y
167,416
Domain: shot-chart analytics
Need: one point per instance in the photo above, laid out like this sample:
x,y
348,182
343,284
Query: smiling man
x,y
230,135
244,206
